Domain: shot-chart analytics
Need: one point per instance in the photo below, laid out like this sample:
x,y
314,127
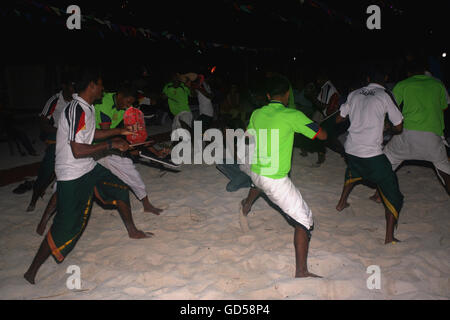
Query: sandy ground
x,y
199,251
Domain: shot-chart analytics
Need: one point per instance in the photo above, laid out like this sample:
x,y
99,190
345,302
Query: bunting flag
x,y
313,3
100,26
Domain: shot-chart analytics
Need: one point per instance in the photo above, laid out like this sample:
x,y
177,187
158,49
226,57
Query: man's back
x,y
366,108
287,121
423,99
178,97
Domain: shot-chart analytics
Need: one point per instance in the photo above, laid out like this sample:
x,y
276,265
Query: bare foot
x,y
29,277
306,275
153,210
375,198
341,207
140,235
391,241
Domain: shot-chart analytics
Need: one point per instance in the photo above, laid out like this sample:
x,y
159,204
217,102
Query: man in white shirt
x,y
367,108
78,175
49,118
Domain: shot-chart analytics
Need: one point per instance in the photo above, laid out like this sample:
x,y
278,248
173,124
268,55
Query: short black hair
x,y
85,77
277,85
67,78
128,90
377,70
417,66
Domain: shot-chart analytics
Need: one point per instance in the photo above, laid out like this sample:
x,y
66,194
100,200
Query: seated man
x,y
109,115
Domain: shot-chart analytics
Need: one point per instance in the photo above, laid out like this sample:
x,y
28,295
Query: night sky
x,y
302,36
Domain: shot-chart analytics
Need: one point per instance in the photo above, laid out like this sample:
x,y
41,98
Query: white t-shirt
x,y
77,123
326,92
366,108
54,107
205,104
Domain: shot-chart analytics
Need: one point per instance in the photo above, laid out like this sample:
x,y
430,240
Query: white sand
x,y
199,251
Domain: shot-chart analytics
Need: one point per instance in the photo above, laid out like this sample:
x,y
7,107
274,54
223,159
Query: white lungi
x,y
125,170
418,145
285,195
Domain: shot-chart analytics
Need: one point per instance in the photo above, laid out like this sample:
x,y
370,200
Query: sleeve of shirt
x,y
104,118
302,124
77,122
395,116
49,107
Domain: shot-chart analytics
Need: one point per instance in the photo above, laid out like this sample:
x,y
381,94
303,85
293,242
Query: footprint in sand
x,y
133,291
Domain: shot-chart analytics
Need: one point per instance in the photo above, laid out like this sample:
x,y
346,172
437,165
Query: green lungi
x,y
75,198
377,170
46,169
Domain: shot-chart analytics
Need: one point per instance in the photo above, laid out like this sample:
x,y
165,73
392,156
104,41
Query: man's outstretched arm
x,y
82,150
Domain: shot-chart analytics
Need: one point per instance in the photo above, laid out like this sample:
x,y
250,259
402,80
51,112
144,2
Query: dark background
x,y
35,49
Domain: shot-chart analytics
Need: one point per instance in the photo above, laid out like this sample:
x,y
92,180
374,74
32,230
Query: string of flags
x,y
106,25
332,13
250,9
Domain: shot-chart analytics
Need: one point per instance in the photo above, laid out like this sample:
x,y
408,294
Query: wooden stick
x,y
330,116
141,144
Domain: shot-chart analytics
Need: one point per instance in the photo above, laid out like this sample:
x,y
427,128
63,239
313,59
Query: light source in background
x,y
444,54
295,58
213,69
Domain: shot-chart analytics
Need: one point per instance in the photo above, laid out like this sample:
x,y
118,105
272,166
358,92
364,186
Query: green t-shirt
x,y
272,159
178,98
106,112
424,100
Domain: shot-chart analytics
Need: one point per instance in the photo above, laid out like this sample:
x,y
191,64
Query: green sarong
x,y
377,170
75,198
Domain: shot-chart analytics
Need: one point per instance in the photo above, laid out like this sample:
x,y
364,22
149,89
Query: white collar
x,y
80,99
376,85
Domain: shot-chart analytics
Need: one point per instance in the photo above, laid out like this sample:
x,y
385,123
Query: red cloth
x,y
135,118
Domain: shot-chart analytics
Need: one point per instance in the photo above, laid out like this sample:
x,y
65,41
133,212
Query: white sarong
x,y
285,195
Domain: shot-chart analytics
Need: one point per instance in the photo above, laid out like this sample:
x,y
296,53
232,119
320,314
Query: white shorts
x,y
125,170
185,116
285,195
418,145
